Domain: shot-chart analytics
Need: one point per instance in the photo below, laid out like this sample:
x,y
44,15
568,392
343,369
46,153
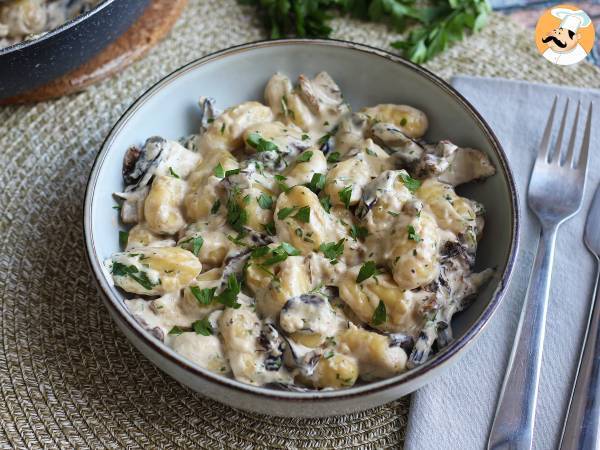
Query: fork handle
x,y
515,415
581,430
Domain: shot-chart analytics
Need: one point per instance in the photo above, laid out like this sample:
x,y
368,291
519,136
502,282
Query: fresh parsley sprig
x,y
432,29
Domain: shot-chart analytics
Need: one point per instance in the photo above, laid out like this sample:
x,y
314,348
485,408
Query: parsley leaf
x,y
229,295
345,195
215,206
123,238
317,182
412,234
134,273
257,142
325,203
265,201
367,270
232,172
172,173
411,184
175,331
203,296
195,246
218,171
332,250
270,228
303,214
333,157
358,232
380,314
237,216
284,212
203,327
259,251
304,157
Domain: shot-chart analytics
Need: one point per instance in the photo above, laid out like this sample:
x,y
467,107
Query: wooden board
x,y
154,24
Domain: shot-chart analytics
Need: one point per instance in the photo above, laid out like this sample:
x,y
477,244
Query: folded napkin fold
x,y
456,411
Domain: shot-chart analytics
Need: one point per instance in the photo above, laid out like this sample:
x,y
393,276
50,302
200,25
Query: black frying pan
x,y
29,64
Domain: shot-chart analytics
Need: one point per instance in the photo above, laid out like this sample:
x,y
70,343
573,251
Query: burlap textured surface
x,y
68,378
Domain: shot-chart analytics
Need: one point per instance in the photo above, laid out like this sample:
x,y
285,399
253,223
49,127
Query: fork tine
x,y
556,150
585,143
545,144
570,152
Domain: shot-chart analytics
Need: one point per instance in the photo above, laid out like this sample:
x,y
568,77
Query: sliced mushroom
x,y
391,138
297,356
320,93
273,345
207,112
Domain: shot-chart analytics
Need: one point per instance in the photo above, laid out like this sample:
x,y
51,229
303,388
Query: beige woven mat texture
x,y
68,377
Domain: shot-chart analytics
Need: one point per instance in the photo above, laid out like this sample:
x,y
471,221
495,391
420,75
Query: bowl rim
x,y
116,307
55,31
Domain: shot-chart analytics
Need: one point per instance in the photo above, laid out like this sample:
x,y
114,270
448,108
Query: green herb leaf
x,y
237,216
345,195
270,228
232,172
380,314
285,212
172,173
257,142
412,234
305,137
175,331
289,249
303,214
411,184
333,157
215,206
203,327
218,171
123,238
367,270
358,232
325,203
229,295
203,296
134,273
259,252
332,250
317,182
265,201
304,157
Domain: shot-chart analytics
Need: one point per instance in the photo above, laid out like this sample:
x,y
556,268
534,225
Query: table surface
x,y
68,377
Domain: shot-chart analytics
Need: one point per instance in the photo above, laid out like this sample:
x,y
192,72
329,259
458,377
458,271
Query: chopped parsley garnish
x,y
265,201
367,270
393,214
289,249
317,182
123,238
303,214
284,212
259,252
358,232
203,327
345,195
412,234
223,128
175,331
304,157
380,314
305,137
270,228
229,295
332,250
325,203
172,173
134,273
329,354
237,216
232,172
370,152
403,121
117,207
193,244
280,183
411,184
203,296
218,171
237,240
257,142
333,157
215,206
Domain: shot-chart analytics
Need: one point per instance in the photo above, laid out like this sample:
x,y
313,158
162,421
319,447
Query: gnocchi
x,y
297,243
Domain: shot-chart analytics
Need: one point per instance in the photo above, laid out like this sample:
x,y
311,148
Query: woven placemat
x,y
68,377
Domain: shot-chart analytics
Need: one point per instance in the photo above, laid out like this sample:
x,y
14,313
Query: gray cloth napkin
x,y
456,410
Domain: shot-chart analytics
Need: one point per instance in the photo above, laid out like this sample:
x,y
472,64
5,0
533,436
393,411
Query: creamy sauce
x,y
300,245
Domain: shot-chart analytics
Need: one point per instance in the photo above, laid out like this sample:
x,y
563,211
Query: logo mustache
x,y
555,40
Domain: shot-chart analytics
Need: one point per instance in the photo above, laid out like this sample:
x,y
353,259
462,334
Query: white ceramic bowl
x,y
366,76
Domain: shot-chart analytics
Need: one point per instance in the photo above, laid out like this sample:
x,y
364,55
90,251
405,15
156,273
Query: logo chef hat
x,y
571,20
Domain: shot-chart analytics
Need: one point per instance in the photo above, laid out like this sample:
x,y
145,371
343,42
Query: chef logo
x,y
564,35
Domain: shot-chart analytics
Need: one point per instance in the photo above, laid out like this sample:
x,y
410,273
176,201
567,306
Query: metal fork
x,y
555,192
